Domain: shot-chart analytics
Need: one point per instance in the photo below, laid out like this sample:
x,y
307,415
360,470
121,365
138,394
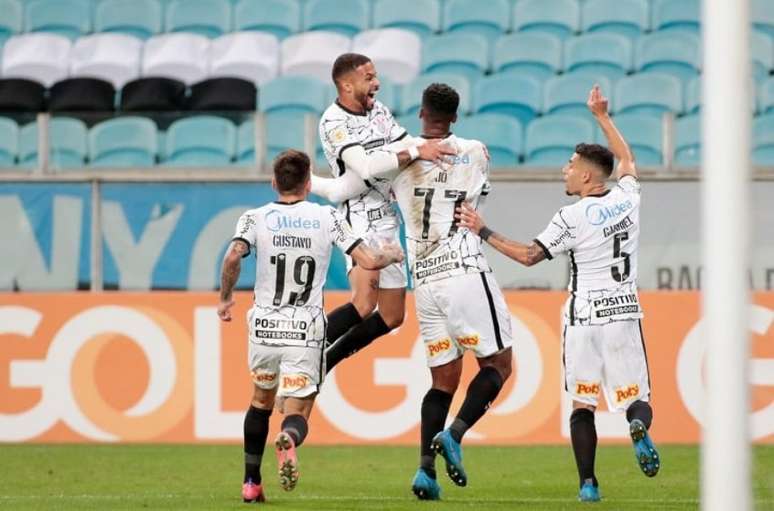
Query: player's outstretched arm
x,y
527,255
232,265
346,186
371,259
598,104
379,163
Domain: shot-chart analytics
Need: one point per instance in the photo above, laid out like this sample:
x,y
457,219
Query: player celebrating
x,y
286,326
350,130
603,344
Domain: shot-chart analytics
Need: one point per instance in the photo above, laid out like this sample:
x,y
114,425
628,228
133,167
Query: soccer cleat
x,y
252,492
287,463
444,445
589,492
644,450
425,487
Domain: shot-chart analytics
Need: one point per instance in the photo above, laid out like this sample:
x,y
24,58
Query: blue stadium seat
x,y
346,17
70,18
649,93
677,54
693,95
766,95
411,96
297,94
412,123
67,138
763,140
559,17
284,131
9,142
677,15
567,94
11,19
584,53
629,18
535,54
199,141
210,18
123,142
420,16
762,14
502,135
465,54
688,141
644,133
518,96
489,19
279,17
139,18
762,49
245,153
550,141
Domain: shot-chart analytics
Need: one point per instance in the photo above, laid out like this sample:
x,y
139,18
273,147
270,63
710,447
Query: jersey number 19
x,y
301,277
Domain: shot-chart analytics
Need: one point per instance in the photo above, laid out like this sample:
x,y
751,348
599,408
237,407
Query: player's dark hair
x,y
440,99
291,171
598,155
347,62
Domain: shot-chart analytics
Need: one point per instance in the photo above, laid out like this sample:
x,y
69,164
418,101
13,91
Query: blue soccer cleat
x,y
425,487
644,450
589,492
444,445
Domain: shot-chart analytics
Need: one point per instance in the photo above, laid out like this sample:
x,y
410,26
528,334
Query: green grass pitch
x,y
54,477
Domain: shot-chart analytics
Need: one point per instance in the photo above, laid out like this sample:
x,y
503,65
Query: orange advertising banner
x,y
161,367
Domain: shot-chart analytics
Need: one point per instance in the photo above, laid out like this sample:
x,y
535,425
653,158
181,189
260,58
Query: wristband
x,y
413,152
484,233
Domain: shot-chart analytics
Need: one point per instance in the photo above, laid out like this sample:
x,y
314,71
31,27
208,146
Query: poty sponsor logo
x,y
434,348
264,377
586,389
468,340
625,393
294,381
598,214
276,221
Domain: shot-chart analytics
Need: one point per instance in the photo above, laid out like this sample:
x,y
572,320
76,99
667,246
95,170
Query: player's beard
x,y
367,101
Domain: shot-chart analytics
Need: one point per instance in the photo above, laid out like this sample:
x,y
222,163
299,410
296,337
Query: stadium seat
x,y
677,54
762,49
82,95
11,20
644,133
346,17
688,141
210,18
138,18
502,135
123,142
245,153
9,142
68,18
312,54
649,93
677,15
465,54
518,96
200,141
22,95
550,141
420,16
489,19
558,17
252,56
40,57
223,94
67,142
766,95
278,17
111,57
567,94
411,123
294,94
763,140
411,95
533,54
396,53
284,131
693,95
153,94
762,14
178,56
583,53
629,18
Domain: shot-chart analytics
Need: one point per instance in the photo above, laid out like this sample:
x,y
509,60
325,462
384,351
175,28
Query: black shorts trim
x,y
645,353
564,362
493,312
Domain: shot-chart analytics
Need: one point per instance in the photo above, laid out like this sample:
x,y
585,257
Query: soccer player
x,y
603,346
293,240
350,130
459,305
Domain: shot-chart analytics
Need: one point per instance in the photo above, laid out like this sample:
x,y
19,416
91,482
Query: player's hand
x,y
597,103
435,150
393,251
224,310
469,218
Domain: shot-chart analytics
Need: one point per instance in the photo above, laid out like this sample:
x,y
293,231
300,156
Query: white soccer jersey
x,y
293,244
340,129
601,236
428,195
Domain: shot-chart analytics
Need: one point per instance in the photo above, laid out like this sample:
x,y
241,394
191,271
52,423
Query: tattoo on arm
x,y
374,284
232,265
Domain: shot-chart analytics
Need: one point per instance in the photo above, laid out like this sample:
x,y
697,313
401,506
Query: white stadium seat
x,y
180,56
40,56
396,53
312,53
253,56
112,57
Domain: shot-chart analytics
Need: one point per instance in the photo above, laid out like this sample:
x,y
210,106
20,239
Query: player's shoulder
x,y
333,116
467,145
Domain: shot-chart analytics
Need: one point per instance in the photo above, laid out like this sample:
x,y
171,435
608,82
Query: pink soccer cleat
x,y
252,492
287,463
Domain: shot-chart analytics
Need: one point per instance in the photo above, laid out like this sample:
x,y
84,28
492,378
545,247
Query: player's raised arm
x,y
527,255
377,163
347,186
598,104
372,259
232,265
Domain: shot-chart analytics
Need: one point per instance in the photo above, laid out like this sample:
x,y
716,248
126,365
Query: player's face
x,y
365,85
573,176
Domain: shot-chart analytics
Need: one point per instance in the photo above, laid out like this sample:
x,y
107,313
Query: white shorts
x,y
464,312
393,276
609,357
298,371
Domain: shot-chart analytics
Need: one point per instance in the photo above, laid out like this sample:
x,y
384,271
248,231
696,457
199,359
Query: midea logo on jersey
x,y
598,214
276,221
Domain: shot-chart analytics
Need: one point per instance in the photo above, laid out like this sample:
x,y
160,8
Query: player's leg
x,y
583,435
365,289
